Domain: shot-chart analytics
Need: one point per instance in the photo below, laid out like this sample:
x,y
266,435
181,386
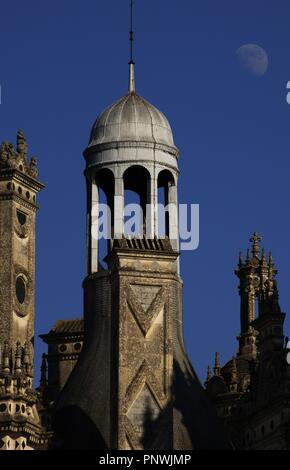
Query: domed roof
x,y
131,119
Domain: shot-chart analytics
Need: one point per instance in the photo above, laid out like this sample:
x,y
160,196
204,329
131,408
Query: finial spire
x,y
6,361
263,259
255,239
271,266
131,62
208,376
132,88
234,375
22,144
43,369
248,256
217,366
271,259
18,355
131,31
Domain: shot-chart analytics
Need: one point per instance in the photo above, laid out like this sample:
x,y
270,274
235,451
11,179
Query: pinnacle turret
x,y
255,239
17,158
217,366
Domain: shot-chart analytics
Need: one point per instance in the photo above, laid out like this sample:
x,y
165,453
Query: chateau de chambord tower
x,y
133,386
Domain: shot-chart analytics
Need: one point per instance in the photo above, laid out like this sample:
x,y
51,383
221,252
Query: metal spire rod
x,y
131,32
132,88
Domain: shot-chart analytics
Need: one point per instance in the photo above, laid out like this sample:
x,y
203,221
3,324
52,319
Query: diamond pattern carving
x,y
143,408
144,375
138,303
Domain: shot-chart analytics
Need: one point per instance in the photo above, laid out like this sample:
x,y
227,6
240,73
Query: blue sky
x,y
62,62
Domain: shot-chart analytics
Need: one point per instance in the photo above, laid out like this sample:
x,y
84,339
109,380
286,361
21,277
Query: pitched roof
x,y
75,325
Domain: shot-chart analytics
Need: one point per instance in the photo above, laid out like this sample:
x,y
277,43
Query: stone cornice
x,y
92,149
143,254
55,338
21,200
17,175
141,161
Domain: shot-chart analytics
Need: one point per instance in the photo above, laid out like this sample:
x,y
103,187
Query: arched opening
x,y
166,196
256,307
105,182
136,197
101,217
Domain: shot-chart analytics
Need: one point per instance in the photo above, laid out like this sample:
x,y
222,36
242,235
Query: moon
x,y
253,58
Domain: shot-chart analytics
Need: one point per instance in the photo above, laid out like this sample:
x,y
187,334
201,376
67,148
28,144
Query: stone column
x,y
94,227
173,216
152,210
119,207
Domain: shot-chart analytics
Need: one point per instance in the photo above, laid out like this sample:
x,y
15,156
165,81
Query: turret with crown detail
x,y
17,159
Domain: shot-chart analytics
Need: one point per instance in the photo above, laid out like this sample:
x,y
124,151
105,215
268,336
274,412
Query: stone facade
x,y
143,307
133,386
18,189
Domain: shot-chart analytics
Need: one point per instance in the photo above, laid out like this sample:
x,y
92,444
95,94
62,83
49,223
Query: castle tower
x,y
253,273
270,322
259,299
18,189
131,148
252,389
133,386
20,427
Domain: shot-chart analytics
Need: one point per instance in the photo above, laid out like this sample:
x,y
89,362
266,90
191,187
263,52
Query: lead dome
x,y
132,119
